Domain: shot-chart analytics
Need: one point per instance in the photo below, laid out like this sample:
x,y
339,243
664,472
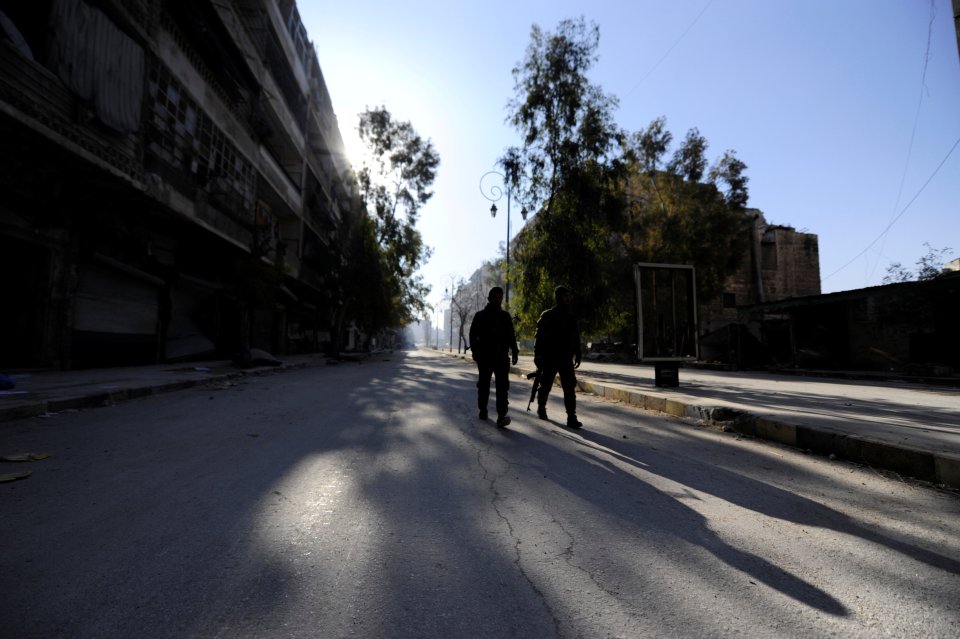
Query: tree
x,y
929,266
354,255
609,199
729,171
568,162
464,305
394,187
676,217
565,120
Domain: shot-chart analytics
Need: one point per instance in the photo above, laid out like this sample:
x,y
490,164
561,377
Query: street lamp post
x,y
450,348
448,293
495,193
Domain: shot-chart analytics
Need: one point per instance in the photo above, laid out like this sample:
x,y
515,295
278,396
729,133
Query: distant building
x,y
172,177
908,327
772,314
782,263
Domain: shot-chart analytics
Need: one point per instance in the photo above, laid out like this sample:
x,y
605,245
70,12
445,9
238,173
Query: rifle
x,y
535,376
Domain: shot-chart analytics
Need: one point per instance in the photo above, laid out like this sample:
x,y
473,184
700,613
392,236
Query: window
x,y
189,141
768,255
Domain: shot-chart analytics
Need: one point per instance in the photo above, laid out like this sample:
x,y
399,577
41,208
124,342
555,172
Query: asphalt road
x,y
368,500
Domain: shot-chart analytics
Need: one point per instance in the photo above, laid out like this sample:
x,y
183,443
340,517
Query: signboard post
x,y
666,318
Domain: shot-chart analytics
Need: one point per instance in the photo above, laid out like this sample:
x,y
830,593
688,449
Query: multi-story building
x,y
781,263
172,180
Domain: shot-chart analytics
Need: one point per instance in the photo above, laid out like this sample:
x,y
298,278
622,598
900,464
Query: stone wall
x,y
788,264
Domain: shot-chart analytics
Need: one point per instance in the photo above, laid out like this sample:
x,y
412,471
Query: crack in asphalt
x,y
569,553
491,477
483,446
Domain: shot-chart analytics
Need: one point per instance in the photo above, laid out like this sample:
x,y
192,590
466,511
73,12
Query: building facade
x,y
173,181
782,263
909,328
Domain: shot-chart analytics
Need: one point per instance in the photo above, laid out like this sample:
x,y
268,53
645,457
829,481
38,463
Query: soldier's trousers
x,y
568,382
500,369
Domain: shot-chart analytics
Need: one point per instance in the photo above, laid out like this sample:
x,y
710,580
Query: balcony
x,y
40,101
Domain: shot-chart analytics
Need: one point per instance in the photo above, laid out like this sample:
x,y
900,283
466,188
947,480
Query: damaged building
x,y
909,328
772,315
782,263
172,180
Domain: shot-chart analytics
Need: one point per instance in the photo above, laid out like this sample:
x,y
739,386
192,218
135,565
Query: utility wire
x,y
900,214
672,47
916,120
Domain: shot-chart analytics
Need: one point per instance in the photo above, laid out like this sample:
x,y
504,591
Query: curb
x,y
115,396
923,465
927,466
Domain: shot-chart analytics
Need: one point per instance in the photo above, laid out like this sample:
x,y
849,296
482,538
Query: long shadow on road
x,y
760,497
618,493
203,525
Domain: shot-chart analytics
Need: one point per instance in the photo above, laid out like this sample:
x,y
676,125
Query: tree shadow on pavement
x,y
760,497
621,494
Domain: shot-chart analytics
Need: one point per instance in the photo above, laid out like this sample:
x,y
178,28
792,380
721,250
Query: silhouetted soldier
x,y
557,352
493,340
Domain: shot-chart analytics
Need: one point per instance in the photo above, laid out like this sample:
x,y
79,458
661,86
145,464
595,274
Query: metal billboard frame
x,y
688,311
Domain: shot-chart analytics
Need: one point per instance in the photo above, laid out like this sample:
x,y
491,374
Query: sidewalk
x,y
910,428
45,392
913,429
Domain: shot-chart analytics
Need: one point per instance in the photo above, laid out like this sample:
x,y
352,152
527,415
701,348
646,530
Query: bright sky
x,y
845,111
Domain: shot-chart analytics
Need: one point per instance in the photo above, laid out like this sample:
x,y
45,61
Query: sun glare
x,y
357,152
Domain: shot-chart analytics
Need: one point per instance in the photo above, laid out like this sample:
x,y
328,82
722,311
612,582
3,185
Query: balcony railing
x,y
34,94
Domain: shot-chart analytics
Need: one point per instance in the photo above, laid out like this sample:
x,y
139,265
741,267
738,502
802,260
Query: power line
x,y
672,47
900,214
916,120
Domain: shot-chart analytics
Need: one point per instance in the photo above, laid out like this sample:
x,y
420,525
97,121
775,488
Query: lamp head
x,y
493,210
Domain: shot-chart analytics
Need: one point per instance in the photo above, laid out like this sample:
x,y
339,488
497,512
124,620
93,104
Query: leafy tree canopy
x,y
394,186
565,168
928,267
606,199
564,119
676,217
